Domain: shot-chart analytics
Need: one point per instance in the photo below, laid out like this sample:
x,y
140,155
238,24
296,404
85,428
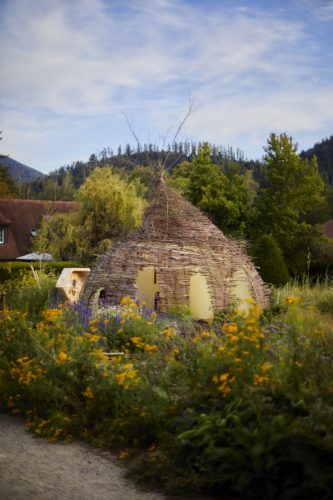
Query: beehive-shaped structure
x,y
177,257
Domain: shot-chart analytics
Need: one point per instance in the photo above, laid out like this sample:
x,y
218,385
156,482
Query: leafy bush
x,y
12,270
244,408
31,293
269,257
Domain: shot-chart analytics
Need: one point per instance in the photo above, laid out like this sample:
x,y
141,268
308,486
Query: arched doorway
x,y
241,289
147,286
200,301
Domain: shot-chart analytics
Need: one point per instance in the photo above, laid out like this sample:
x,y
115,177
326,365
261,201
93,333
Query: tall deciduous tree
x,y
224,197
292,187
108,207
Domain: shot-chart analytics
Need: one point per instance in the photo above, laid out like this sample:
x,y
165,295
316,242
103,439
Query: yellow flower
x,y
51,314
223,377
62,357
168,333
150,347
259,379
123,455
231,328
94,338
224,388
136,340
266,366
88,393
153,315
292,300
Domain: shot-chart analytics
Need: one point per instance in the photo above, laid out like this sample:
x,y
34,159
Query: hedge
x,y
11,270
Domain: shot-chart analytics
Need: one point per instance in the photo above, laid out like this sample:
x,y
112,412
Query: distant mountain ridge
x,y
18,171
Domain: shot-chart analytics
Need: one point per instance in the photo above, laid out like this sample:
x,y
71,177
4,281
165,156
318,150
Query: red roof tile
x,y
19,217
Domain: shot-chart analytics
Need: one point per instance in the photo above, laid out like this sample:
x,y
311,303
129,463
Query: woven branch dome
x,y
178,244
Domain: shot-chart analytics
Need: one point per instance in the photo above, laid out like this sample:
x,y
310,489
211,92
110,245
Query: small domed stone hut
x,y
177,257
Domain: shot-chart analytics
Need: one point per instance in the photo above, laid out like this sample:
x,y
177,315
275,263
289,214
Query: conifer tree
x,y
269,258
292,187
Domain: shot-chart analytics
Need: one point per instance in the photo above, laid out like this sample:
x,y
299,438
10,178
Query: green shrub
x,y
269,258
243,410
11,270
30,293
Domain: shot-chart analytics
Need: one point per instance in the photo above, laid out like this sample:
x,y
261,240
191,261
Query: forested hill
x,y
140,161
62,183
324,152
18,171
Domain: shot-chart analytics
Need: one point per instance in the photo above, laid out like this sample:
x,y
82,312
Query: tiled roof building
x,y
19,222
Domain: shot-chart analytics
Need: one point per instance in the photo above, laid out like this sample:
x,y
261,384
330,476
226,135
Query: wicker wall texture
x,y
177,239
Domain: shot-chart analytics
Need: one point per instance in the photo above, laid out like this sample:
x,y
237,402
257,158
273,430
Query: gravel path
x,y
31,468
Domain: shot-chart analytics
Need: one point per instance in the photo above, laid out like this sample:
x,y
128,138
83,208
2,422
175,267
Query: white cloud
x,y
68,64
322,10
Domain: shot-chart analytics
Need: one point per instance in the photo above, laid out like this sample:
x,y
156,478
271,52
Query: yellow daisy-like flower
x,y
63,357
292,300
231,328
136,340
150,347
88,393
259,379
266,366
223,377
52,314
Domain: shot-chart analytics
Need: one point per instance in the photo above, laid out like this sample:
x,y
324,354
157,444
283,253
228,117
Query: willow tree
x,y
108,206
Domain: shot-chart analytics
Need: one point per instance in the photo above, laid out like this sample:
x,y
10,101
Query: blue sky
x,y
71,68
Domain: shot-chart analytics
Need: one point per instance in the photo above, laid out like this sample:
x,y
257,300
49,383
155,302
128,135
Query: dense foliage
x,y
283,196
268,256
107,207
8,188
243,408
323,151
